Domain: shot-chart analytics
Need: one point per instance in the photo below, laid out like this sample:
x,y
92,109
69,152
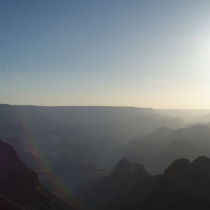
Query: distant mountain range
x,y
80,147
189,114
203,118
96,121
199,123
160,148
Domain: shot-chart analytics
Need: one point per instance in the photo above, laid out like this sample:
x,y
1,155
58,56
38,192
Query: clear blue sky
x,y
145,53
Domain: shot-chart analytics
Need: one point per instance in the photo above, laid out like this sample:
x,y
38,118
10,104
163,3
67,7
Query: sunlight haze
x,y
142,53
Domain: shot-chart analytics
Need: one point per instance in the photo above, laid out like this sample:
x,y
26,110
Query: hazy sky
x,y
145,53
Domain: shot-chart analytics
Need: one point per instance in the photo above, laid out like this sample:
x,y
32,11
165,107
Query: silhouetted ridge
x,y
199,172
201,161
183,186
21,184
175,170
177,166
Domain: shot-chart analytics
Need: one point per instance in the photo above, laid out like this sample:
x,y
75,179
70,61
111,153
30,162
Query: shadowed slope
x,y
21,185
125,175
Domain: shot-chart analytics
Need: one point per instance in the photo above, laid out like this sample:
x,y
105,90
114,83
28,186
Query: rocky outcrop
x,y
126,175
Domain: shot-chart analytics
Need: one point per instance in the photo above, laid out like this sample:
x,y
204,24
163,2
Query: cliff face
x,y
183,186
126,175
21,184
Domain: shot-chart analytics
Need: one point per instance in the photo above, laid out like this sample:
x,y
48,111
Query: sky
x,y
142,53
